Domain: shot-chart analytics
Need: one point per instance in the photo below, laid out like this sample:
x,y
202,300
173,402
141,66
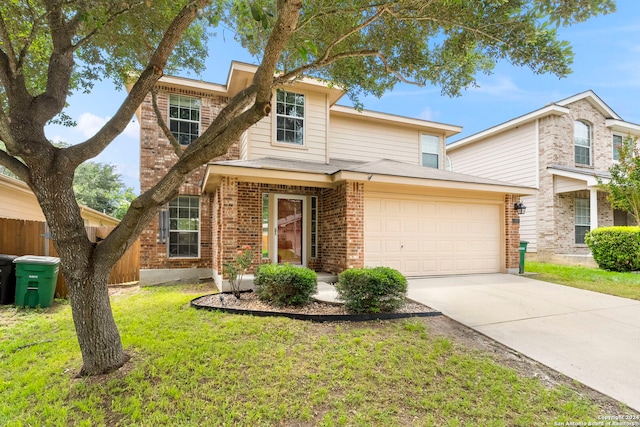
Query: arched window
x,y
582,142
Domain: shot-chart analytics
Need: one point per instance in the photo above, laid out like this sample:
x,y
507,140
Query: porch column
x,y
593,208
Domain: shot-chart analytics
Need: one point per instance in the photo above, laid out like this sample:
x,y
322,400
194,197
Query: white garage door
x,y
420,236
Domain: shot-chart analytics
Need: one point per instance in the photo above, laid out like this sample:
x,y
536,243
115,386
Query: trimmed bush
x,y
615,248
286,284
372,290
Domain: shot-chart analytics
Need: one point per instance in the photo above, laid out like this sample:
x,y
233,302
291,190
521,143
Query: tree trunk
x,y
85,271
98,336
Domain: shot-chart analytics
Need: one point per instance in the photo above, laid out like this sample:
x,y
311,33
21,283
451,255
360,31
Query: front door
x,y
289,239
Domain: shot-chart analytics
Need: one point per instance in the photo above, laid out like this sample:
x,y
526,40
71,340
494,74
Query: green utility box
x,y
523,250
36,278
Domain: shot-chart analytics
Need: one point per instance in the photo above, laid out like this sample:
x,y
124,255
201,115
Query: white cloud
x,y
89,124
428,114
132,130
502,86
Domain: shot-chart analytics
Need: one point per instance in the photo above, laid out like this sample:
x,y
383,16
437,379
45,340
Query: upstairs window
x,y
430,151
617,143
184,118
184,227
289,117
582,143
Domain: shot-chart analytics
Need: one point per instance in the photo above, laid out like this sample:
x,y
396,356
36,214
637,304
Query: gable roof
x,y
556,108
327,175
594,100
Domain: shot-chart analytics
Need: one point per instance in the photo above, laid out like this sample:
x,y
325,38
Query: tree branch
x,y
354,30
15,166
215,140
48,104
111,18
177,148
9,53
94,145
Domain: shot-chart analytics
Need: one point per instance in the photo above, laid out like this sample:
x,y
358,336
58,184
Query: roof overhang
x,y
549,110
590,179
214,174
7,181
439,128
623,127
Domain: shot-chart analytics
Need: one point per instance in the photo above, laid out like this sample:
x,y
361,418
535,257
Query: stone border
x,y
320,318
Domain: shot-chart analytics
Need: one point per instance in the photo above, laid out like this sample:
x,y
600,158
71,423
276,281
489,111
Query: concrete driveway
x,y
591,337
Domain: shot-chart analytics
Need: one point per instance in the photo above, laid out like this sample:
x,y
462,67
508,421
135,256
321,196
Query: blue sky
x,y
607,61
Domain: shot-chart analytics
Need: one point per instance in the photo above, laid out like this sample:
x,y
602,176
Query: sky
x,y
607,61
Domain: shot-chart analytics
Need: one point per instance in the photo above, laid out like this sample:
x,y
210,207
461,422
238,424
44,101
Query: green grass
x,y
200,368
625,285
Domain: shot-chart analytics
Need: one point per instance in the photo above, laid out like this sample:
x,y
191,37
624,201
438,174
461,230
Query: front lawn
x,y
625,285
200,368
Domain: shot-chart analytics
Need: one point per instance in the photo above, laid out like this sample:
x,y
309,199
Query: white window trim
x,y
169,118
582,146
613,146
168,244
440,152
274,124
575,217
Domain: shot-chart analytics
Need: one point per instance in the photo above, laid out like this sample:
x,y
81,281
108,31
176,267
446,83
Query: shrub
x,y
285,284
372,290
615,248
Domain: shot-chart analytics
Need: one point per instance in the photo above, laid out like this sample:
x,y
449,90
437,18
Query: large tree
x,y
49,48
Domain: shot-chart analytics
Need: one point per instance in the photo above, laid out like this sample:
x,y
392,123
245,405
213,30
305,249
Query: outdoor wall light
x,y
520,208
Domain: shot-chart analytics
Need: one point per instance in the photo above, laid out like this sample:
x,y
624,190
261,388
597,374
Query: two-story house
x,y
319,185
563,150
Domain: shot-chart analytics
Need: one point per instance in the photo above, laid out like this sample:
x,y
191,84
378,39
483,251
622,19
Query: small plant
x,y
615,248
372,290
234,270
285,284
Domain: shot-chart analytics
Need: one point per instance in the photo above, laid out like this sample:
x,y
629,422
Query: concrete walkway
x,y
590,337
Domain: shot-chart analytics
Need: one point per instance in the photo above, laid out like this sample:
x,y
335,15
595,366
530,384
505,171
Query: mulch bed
x,y
317,311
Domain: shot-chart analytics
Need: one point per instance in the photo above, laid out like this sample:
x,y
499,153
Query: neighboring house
x,y
17,201
319,185
562,149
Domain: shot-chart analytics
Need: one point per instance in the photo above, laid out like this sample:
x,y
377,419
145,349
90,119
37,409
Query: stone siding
x,y
555,212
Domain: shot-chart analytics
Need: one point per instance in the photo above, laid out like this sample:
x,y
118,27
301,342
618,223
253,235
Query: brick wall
x,y
240,204
512,233
342,227
156,157
555,212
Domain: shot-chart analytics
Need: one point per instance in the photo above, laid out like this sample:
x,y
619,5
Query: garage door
x,y
420,236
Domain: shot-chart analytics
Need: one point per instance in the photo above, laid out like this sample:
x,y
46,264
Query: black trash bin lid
x,y
7,259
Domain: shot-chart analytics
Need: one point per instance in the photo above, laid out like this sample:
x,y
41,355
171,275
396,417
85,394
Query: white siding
x,y
19,204
568,185
369,141
244,146
509,157
261,134
528,223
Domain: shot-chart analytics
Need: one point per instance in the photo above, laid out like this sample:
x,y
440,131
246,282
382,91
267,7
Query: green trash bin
x,y
523,250
36,278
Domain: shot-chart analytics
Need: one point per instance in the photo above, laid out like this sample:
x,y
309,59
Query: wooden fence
x,y
19,237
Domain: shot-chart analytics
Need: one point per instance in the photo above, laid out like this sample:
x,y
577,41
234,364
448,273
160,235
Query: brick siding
x,y
156,157
511,233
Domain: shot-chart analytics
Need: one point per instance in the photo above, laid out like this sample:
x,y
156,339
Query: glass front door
x,y
289,239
